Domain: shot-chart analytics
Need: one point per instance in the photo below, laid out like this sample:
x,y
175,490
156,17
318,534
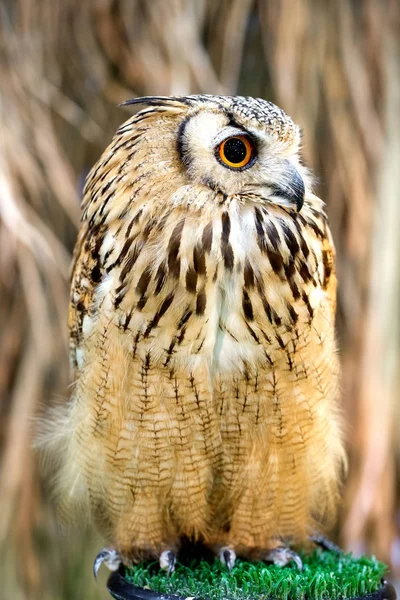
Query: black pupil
x,y
235,150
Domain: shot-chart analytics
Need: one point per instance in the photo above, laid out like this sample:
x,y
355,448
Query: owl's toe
x,y
282,556
108,556
227,556
167,561
325,543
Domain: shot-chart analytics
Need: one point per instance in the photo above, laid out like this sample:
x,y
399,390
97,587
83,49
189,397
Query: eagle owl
x,y
205,402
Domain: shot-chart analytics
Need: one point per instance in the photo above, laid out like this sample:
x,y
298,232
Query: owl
x,y
205,398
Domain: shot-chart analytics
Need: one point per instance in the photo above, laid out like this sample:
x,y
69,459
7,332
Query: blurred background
x,y
64,67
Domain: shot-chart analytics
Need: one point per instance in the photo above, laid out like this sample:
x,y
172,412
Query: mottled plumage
x,y
202,337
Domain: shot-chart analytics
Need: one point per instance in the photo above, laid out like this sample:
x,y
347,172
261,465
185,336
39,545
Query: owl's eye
x,y
236,152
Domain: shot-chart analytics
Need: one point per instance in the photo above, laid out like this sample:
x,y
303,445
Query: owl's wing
x,y
85,275
329,275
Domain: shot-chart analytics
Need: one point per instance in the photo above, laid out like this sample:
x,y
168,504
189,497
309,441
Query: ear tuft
x,y
158,101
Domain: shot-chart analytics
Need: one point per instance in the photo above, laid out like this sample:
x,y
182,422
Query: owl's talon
x,y
228,557
108,556
282,556
167,561
325,543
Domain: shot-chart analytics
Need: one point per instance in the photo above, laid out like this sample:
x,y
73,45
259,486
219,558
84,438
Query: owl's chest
x,y
218,290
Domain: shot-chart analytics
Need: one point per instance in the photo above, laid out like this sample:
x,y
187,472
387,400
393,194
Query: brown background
x,y
334,66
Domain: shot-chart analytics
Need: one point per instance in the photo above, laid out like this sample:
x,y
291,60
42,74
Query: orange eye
x,y
236,152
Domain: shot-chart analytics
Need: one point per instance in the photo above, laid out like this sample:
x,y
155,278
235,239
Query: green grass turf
x,y
325,575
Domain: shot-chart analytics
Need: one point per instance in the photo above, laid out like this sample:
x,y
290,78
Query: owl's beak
x,y
291,189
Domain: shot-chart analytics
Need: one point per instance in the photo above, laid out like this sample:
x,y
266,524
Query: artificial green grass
x,y
325,575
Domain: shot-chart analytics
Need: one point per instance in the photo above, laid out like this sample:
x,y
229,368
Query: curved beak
x,y
291,190
285,188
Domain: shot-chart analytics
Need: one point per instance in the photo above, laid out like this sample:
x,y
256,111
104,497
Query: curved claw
x,y
282,556
325,543
228,557
108,556
167,561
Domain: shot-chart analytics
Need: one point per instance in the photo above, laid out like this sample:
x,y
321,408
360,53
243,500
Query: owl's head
x,y
229,146
236,145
